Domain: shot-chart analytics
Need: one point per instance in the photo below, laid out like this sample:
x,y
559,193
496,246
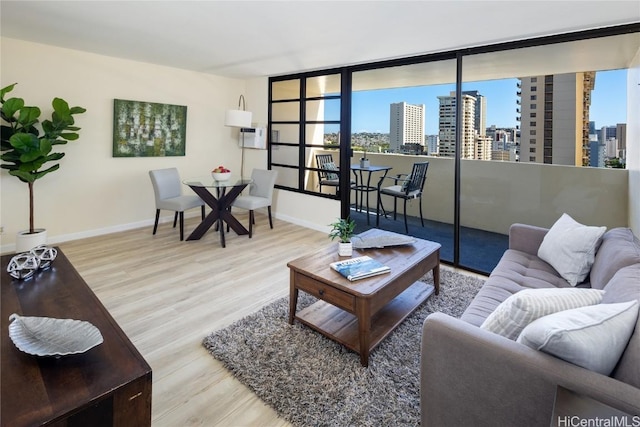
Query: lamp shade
x,y
237,118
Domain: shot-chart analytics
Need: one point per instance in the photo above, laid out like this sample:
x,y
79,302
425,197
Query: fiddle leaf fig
x,y
24,149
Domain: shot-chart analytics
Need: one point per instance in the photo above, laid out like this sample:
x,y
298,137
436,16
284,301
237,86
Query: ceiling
x,y
243,39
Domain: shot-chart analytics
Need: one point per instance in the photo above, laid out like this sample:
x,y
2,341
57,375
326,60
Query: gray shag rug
x,y
312,381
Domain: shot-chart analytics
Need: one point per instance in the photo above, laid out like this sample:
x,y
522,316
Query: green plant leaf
x,y
40,174
6,90
78,110
25,142
24,176
32,166
11,106
9,167
70,136
28,116
61,107
45,146
54,156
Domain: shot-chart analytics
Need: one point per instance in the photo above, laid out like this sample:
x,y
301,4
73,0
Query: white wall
x,y
93,192
633,142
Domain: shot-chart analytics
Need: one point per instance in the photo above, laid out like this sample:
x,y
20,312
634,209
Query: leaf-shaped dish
x,y
46,336
381,241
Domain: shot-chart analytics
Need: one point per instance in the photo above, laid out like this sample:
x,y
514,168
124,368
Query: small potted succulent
x,y
364,162
343,229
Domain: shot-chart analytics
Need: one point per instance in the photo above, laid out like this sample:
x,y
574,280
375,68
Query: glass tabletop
x,y
209,182
371,168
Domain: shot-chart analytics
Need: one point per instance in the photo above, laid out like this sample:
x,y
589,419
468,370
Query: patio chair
x,y
328,173
167,189
406,187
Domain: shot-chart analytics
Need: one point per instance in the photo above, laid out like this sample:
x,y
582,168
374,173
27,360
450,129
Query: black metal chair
x,y
406,187
325,166
328,173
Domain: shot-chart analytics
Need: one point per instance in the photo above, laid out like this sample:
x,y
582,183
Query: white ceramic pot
x,y
364,163
345,249
26,241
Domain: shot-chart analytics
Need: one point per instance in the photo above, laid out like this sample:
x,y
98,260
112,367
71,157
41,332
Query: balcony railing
x,y
496,194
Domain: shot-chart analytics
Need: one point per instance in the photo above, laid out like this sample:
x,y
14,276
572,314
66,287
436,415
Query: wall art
x,y
148,129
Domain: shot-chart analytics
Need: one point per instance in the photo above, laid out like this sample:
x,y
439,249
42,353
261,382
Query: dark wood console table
x,y
109,385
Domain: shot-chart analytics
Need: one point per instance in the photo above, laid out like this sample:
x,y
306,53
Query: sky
x,y
371,108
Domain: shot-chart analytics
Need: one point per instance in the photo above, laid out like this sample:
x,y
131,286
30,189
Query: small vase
x,y
364,163
345,249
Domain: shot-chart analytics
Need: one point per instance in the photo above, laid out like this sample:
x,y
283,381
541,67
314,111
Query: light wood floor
x,y
168,295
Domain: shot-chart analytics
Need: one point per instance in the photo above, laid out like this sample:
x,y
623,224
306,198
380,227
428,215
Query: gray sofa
x,y
473,377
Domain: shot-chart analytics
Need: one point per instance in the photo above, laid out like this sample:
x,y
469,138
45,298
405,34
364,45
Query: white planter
x,y
25,241
365,163
345,249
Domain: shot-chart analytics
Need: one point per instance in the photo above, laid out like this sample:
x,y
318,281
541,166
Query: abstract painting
x,y
148,129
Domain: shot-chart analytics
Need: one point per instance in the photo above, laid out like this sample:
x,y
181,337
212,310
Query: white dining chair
x,y
260,195
167,188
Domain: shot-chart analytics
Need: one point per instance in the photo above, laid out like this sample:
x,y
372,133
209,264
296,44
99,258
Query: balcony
x,y
494,195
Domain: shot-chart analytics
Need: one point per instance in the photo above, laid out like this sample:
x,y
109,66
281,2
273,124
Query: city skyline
x,y
370,109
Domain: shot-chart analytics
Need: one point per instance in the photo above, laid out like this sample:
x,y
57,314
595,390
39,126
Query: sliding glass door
x,y
515,132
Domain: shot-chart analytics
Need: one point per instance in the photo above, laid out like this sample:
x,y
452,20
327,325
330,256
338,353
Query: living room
x,y
103,195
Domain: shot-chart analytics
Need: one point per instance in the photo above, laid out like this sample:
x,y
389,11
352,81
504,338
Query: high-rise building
x,y
432,145
607,133
480,116
406,125
621,136
447,126
555,118
597,154
501,138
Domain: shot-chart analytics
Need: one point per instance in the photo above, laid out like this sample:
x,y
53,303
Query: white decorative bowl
x,y
221,176
46,336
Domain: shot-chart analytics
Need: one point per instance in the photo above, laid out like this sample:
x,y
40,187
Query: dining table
x,y
361,187
219,196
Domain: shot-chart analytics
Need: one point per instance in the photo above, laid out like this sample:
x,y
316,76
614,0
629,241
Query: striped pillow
x,y
522,308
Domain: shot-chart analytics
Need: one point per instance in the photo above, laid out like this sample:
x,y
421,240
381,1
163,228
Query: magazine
x,y
359,268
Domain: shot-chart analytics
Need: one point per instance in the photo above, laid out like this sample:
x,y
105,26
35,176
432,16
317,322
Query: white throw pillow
x,y
522,308
570,248
593,337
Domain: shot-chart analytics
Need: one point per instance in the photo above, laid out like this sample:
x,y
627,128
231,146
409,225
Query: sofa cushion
x,y
625,286
570,248
517,311
593,337
619,249
516,271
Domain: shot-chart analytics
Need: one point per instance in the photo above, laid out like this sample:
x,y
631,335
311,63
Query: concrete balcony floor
x,y
479,250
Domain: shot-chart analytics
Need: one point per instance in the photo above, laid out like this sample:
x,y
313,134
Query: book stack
x,y
359,268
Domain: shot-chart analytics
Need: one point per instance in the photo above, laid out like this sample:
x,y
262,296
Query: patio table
x,y
361,187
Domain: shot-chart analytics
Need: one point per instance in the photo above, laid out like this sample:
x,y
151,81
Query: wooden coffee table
x,y
360,314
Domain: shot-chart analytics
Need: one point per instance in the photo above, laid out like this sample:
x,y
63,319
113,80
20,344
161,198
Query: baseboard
x,y
302,223
54,240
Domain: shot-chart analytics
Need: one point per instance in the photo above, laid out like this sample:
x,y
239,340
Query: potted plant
x,y
343,229
364,162
27,145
